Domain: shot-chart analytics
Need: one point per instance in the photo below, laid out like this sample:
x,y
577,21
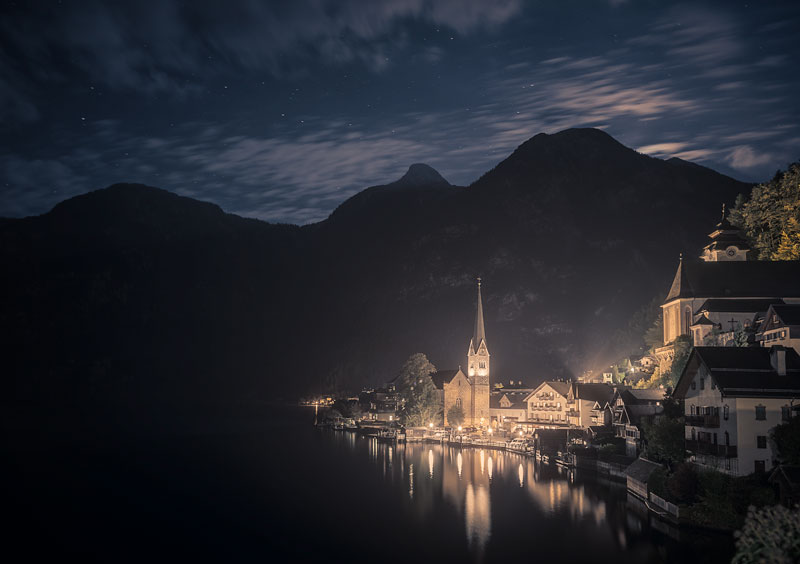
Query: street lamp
x,y
430,425
459,427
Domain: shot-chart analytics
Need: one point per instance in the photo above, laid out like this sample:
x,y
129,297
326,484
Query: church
x,y
723,292
469,391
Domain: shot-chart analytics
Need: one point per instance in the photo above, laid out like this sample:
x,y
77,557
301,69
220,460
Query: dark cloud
x,y
280,110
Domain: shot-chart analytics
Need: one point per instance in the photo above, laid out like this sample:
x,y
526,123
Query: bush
x,y
684,484
770,535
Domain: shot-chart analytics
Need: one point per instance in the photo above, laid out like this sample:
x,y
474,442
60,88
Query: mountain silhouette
x,y
135,295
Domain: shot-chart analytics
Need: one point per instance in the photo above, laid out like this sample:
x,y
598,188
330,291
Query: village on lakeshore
x,y
710,408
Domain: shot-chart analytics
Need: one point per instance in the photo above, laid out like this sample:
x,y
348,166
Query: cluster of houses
x,y
742,377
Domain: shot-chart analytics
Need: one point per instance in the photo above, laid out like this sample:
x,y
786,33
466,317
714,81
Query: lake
x,y
267,486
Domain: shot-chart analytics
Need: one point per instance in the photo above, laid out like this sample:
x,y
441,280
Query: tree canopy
x,y
421,404
787,441
455,415
770,216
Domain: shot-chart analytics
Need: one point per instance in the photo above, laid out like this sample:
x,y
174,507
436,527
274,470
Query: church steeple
x,y
478,353
479,335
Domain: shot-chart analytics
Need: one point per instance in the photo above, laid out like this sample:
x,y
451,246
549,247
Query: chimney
x,y
777,358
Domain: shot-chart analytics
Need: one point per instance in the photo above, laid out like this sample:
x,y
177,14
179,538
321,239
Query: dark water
x,y
265,486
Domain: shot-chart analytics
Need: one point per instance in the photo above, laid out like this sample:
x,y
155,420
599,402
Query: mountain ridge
x,y
175,297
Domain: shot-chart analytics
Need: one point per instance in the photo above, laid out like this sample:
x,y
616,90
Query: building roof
x,y
735,305
725,234
641,469
516,398
790,474
703,321
789,314
593,392
735,279
743,371
560,387
648,395
443,377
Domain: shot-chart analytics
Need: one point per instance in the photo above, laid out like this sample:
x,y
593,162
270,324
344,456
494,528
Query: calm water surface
x,y
269,487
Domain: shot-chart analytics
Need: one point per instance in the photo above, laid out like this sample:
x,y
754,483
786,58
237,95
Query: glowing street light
x,y
430,425
459,427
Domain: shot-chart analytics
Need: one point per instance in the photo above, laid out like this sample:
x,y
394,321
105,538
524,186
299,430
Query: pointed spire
x,y
480,333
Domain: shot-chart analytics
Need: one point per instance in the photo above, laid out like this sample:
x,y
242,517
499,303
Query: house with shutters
x,y
781,326
733,397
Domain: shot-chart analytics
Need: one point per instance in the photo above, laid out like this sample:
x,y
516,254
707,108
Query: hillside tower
x,y
726,243
478,368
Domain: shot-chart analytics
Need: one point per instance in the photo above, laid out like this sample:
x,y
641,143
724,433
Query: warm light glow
x,y
459,427
490,430
430,425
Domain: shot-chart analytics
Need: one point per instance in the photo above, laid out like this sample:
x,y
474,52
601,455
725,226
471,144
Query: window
x,y
760,466
761,413
691,410
786,413
702,383
458,402
725,412
694,385
761,441
482,364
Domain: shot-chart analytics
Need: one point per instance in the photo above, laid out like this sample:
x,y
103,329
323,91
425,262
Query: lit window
x,y
761,412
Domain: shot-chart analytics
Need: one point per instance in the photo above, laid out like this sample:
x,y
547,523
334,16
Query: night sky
x,y
281,110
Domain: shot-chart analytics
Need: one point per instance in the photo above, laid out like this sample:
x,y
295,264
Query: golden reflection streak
x,y
430,462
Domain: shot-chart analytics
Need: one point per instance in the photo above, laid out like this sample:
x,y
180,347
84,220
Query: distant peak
x,y
420,175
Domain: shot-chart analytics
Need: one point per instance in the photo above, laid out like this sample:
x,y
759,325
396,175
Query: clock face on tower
x,y
731,251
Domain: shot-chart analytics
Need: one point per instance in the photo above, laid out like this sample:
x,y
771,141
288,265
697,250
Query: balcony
x,y
702,447
708,420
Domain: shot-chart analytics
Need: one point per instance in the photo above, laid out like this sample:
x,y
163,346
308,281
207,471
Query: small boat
x,y
517,445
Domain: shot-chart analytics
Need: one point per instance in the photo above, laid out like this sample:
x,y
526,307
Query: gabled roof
x,y
735,279
743,371
517,400
593,392
443,377
641,469
790,474
559,387
737,305
788,314
703,321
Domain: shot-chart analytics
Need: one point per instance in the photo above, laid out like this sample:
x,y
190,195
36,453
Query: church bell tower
x,y
478,368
